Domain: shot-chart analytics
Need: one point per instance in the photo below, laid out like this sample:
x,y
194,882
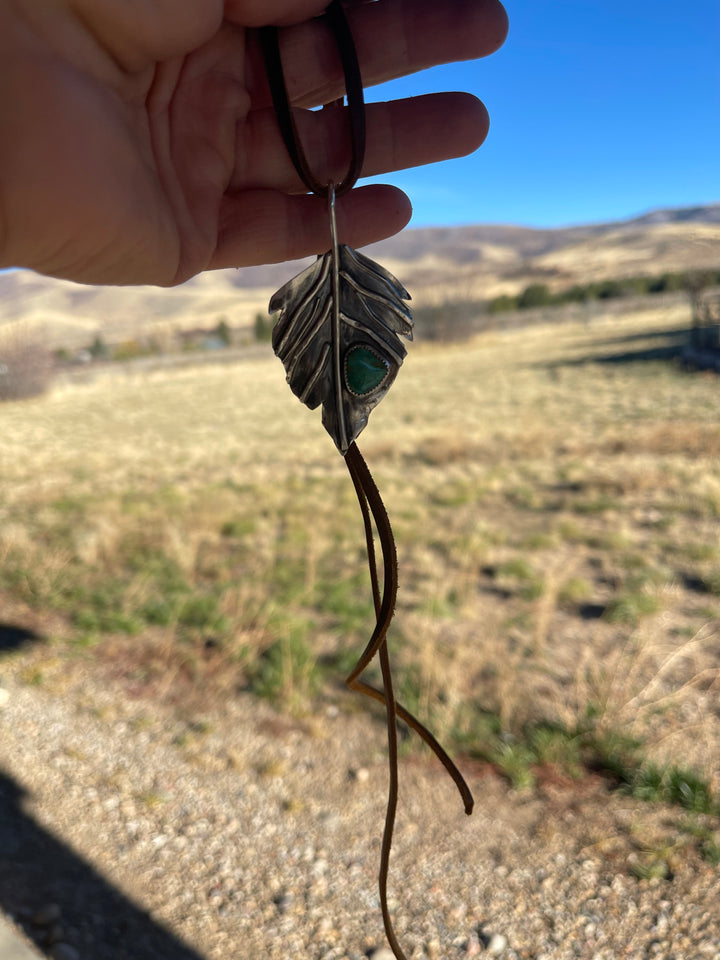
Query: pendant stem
x,y
337,358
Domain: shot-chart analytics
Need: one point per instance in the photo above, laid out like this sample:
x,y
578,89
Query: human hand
x,y
138,143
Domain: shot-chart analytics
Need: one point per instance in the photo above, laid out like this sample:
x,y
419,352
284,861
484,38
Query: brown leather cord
x,y
371,503
365,488
367,492
270,46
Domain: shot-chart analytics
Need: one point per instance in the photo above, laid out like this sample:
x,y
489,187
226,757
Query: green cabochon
x,y
364,370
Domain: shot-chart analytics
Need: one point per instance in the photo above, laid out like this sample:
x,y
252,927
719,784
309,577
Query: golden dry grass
x,y
556,514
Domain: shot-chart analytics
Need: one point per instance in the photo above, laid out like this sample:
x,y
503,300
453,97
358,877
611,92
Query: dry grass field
x,y
555,496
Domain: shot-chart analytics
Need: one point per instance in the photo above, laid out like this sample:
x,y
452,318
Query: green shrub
x,y
536,295
263,327
502,303
630,608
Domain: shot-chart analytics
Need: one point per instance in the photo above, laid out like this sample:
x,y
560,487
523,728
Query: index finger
x,y
393,38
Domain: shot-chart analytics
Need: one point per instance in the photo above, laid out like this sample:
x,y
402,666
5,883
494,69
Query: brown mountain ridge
x,y
436,264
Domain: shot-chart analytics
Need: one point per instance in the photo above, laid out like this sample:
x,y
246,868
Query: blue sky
x,y
599,109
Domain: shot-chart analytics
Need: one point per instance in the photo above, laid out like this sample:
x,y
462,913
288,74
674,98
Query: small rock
x,y
433,949
382,953
46,915
324,928
472,947
360,775
319,867
496,945
4,696
63,951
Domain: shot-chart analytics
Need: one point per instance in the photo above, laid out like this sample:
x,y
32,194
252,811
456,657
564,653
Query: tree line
x,y
540,295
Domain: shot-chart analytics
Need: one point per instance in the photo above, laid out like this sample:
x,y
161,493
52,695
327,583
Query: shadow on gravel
x,y
13,637
58,897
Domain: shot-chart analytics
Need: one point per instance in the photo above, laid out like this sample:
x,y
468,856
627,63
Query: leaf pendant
x,y
338,336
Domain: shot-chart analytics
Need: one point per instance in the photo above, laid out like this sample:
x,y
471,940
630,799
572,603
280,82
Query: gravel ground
x,y
132,829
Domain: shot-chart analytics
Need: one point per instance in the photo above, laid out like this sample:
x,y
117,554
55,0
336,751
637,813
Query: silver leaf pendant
x,y
338,336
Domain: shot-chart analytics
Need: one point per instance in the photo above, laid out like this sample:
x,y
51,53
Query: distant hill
x,y
707,214
436,264
485,260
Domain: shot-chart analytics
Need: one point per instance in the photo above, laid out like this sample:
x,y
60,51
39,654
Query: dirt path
x,y
132,829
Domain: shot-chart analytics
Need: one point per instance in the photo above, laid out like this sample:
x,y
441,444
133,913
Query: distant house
x,y
200,338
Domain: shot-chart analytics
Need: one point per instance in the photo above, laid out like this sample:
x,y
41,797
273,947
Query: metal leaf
x,y
338,336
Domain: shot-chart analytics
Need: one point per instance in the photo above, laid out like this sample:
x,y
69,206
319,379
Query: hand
x,y
138,143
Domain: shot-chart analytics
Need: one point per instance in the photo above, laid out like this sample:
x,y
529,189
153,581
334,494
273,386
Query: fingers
x,y
265,226
258,13
139,32
400,134
392,37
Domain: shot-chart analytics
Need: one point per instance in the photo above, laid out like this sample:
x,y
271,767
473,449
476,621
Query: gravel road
x,y
157,831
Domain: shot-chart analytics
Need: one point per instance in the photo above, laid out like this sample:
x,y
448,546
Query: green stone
x,y
364,370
